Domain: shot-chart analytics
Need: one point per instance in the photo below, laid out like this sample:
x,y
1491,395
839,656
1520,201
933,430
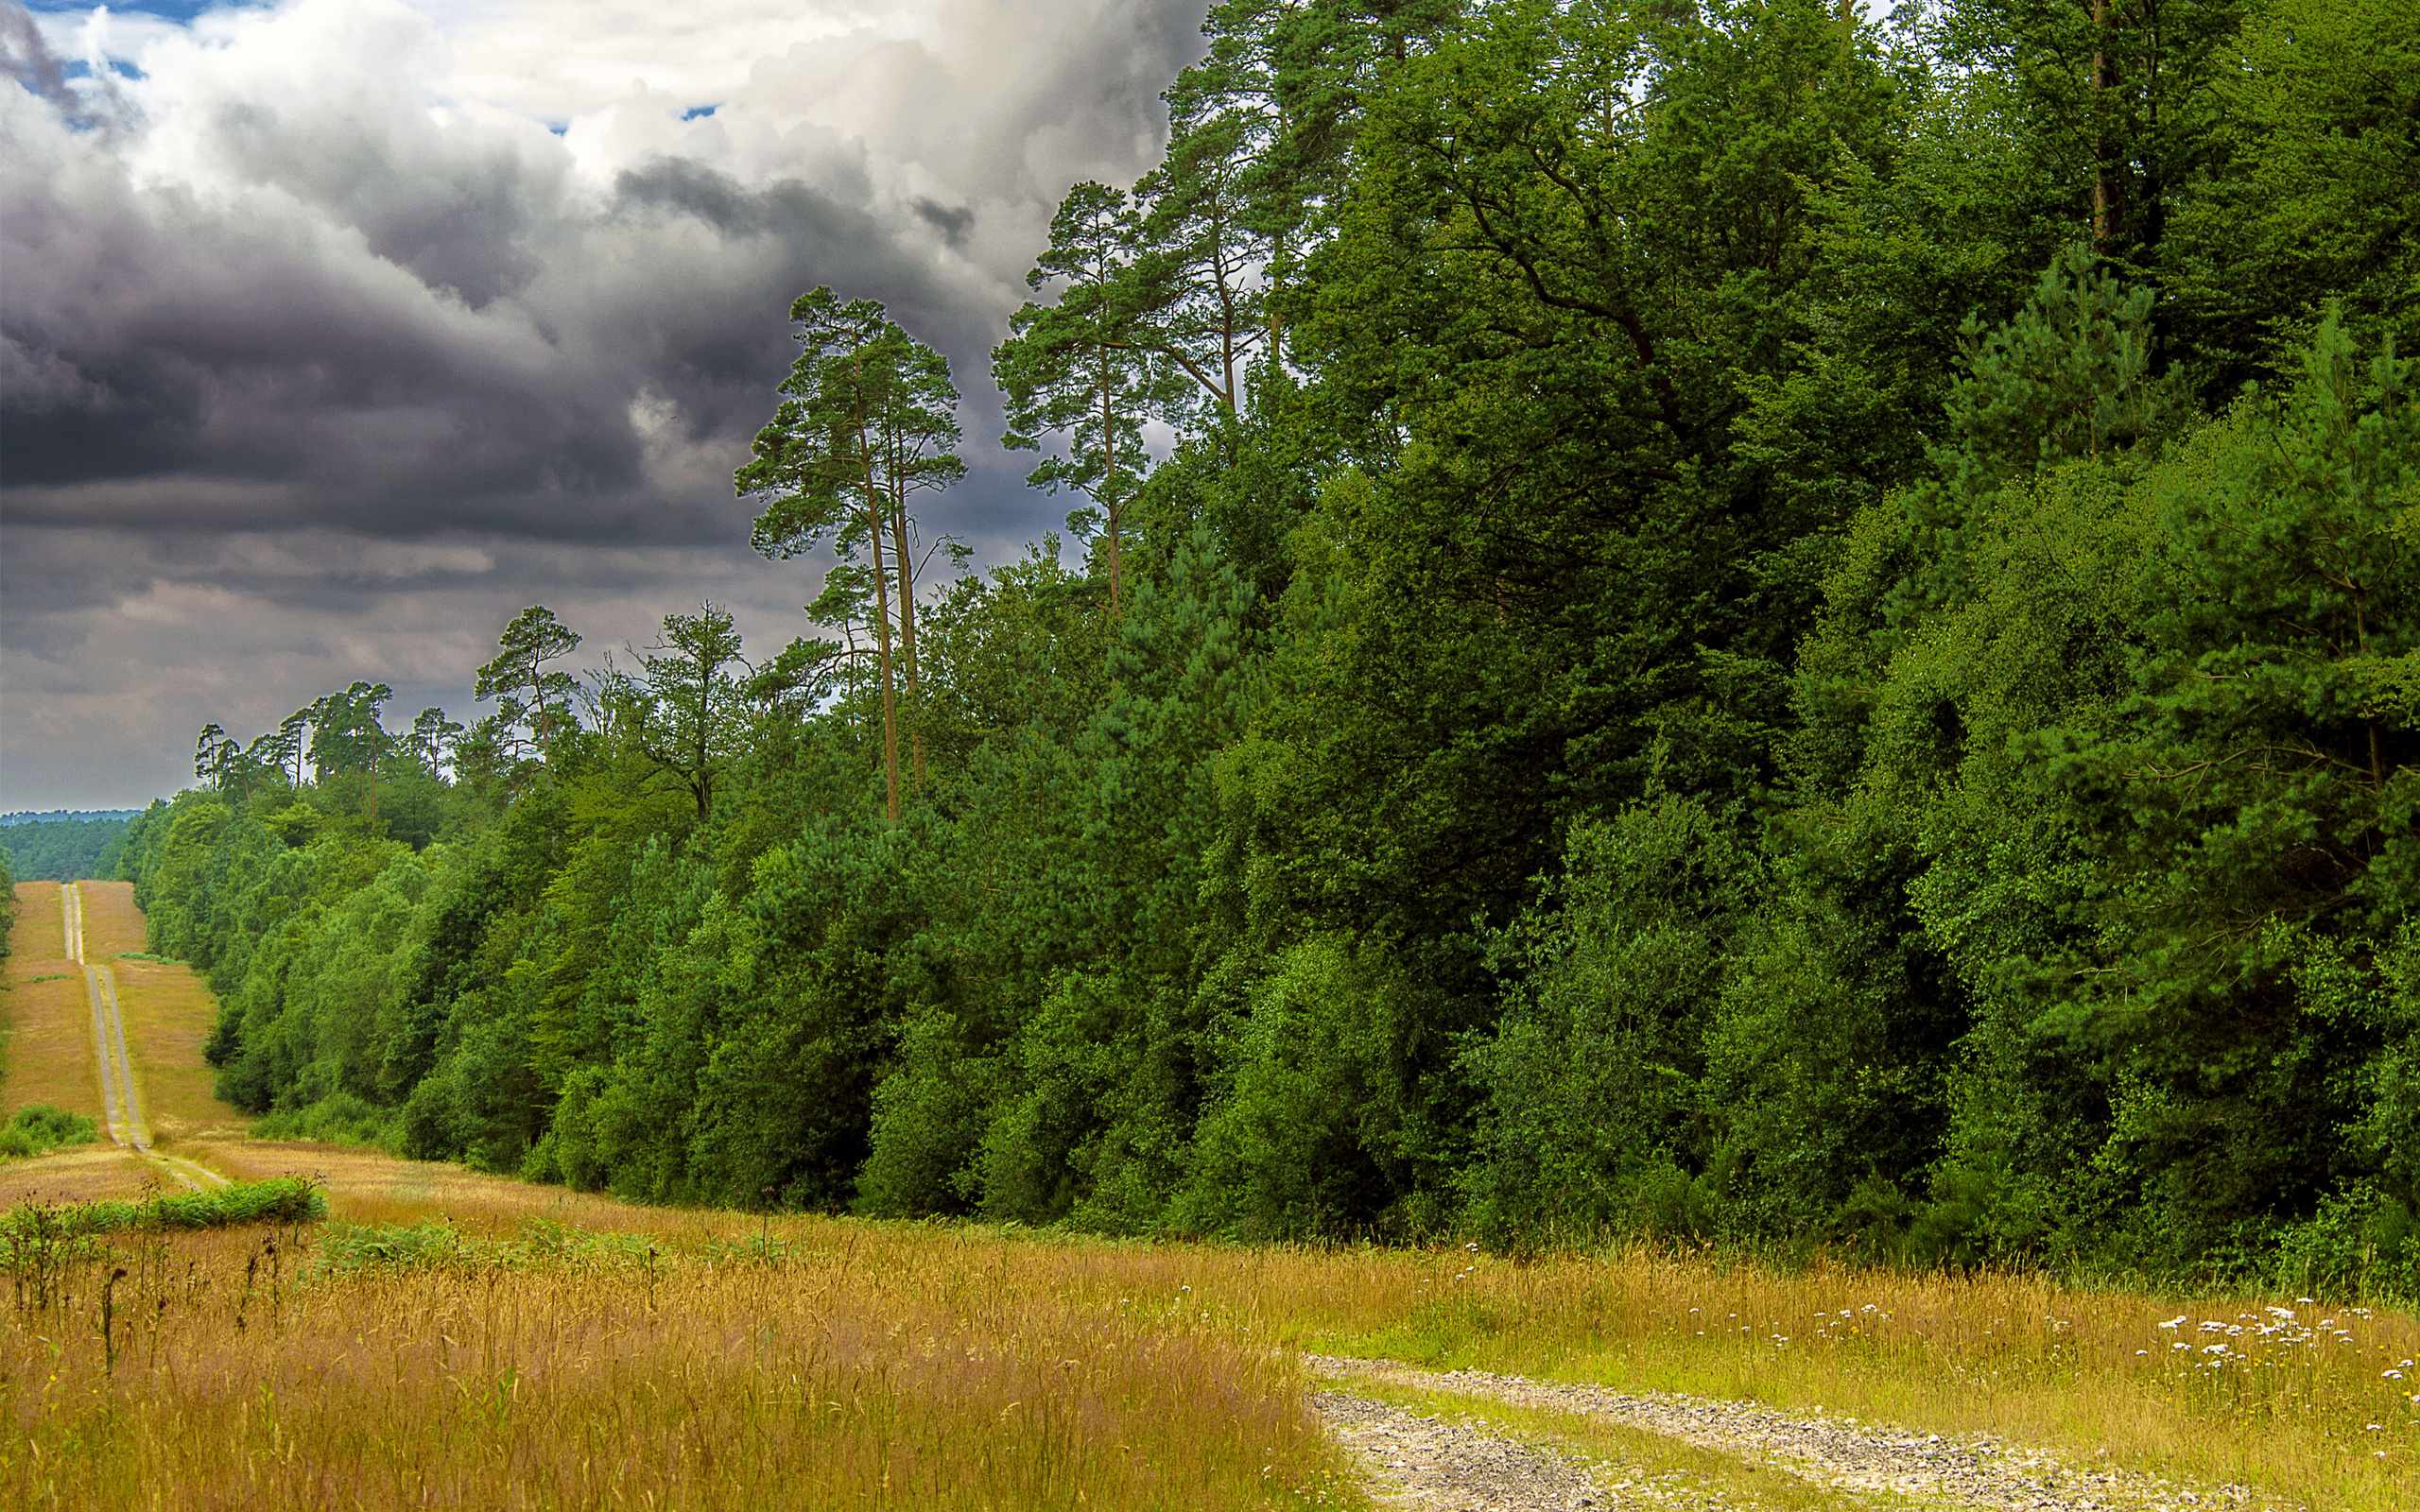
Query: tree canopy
x,y
1739,622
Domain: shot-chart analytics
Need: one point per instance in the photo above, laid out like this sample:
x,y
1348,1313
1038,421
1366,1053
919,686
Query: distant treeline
x,y
54,816
40,849
1761,628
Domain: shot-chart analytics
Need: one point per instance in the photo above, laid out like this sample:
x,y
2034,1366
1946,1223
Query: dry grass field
x,y
365,1187
169,1013
48,1020
111,922
595,1354
2312,1404
860,1366
78,1173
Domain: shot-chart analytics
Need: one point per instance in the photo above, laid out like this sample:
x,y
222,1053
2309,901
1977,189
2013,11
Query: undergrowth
x,y
39,1126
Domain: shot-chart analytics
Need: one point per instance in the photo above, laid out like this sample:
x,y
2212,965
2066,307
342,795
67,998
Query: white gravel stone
x,y
1429,1462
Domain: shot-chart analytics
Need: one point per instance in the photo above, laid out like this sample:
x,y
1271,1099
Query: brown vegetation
x,y
49,1055
169,1013
111,922
712,1359
837,1365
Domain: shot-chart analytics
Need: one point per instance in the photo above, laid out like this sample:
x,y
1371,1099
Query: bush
x,y
39,1126
279,1200
340,1119
2361,1243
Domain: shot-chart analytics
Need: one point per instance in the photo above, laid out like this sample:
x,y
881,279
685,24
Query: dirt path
x,y
121,1101
1424,1458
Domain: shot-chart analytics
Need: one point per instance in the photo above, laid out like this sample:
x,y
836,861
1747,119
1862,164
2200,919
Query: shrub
x,y
39,1126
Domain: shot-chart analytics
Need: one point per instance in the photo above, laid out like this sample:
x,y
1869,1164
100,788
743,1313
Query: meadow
x,y
450,1339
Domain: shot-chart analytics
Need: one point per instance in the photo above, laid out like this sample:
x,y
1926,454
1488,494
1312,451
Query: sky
x,y
333,332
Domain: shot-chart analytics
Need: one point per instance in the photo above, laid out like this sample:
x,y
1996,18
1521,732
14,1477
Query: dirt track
x,y
121,1089
1432,1459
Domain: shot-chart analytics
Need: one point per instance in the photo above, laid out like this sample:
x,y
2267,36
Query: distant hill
x,y
64,846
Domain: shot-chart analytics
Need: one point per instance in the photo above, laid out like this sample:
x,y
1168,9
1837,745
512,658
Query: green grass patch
x,y
140,955
278,1200
436,1246
39,1126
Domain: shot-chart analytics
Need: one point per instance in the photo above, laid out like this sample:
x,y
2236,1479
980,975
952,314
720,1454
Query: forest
x,y
1762,627
66,848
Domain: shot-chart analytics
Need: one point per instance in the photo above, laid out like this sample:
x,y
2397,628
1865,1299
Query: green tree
x,y
686,711
1084,367
867,421
533,705
346,736
2310,191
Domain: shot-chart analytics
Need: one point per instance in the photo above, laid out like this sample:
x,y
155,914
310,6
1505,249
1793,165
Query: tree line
x,y
62,849
1760,626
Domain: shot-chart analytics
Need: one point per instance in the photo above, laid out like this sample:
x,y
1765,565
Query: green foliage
x,y
1595,1071
340,1119
278,1200
39,1126
1721,651
65,850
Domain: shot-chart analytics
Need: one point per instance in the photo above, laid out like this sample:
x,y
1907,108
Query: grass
x,y
99,1172
169,1013
50,1044
1140,1374
113,925
2309,1411
282,1202
881,1365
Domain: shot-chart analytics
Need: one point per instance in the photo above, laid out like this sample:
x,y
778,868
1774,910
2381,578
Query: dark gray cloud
x,y
953,221
312,368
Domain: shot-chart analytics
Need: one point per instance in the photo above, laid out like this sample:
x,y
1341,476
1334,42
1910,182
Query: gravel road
x,y
1423,1461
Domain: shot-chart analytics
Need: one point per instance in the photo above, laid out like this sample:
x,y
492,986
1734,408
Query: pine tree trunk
x,y
1109,488
907,569
882,633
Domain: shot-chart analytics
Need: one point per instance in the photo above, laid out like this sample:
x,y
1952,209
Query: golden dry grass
x,y
1199,1329
368,1187
79,1173
49,1017
169,1013
111,922
2306,1413
865,1366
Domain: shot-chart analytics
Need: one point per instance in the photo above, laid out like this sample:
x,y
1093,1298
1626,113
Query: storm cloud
x,y
335,331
